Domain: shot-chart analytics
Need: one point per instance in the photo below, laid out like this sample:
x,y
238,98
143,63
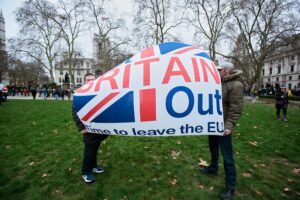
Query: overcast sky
x,y
122,9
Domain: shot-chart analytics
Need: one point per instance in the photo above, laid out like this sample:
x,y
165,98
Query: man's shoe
x,y
227,193
88,178
208,170
98,170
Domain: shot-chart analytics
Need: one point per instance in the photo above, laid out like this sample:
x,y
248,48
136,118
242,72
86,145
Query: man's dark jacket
x,y
87,137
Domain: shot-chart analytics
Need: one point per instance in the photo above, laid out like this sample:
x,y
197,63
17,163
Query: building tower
x,y
3,54
2,32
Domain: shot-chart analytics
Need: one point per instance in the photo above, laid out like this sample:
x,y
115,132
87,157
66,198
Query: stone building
x,y
283,65
82,66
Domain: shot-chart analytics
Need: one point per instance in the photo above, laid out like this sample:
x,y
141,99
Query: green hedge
x,y
273,97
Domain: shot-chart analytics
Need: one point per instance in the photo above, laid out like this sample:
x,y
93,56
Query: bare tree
x,y
109,42
260,27
154,21
3,63
38,36
209,18
24,73
71,20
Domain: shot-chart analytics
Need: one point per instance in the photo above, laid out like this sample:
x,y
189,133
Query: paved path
x,y
37,98
271,101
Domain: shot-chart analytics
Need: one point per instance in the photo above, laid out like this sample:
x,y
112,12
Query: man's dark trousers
x,y
225,144
91,145
90,157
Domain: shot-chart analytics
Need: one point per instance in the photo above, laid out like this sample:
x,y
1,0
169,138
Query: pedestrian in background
x,y
281,103
33,92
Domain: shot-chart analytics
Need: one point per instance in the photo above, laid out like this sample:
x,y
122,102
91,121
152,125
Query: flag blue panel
x,y
81,101
202,54
170,46
121,111
128,61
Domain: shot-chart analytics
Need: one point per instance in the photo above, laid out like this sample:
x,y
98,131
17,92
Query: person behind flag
x,y
92,143
232,100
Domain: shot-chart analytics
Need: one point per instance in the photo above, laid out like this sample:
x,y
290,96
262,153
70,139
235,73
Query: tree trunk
x,y
51,74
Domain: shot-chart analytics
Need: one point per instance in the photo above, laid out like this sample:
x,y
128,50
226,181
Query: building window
x,y
59,80
277,79
290,86
292,57
269,80
290,78
87,71
270,71
292,68
278,69
78,72
61,72
78,80
263,72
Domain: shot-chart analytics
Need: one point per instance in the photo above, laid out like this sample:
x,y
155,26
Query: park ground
x,y
41,154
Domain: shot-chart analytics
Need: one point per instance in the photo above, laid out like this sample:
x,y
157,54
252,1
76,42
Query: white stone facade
x,y
283,67
83,66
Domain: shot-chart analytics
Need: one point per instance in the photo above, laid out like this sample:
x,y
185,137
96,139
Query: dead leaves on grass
x,y
175,154
44,175
254,143
258,165
296,170
259,193
174,182
209,188
201,186
203,163
247,174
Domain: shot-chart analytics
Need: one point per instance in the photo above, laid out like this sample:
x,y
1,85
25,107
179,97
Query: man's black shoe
x,y
227,193
208,170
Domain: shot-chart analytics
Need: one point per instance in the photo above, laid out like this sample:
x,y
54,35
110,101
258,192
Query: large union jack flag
x,y
118,106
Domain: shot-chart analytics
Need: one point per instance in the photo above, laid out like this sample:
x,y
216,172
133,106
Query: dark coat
x,y
232,95
87,137
281,99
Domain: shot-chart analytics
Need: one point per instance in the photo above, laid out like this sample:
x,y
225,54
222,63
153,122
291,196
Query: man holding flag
x,y
232,99
92,143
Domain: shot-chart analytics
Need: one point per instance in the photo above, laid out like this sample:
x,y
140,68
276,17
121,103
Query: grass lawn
x,y
41,154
